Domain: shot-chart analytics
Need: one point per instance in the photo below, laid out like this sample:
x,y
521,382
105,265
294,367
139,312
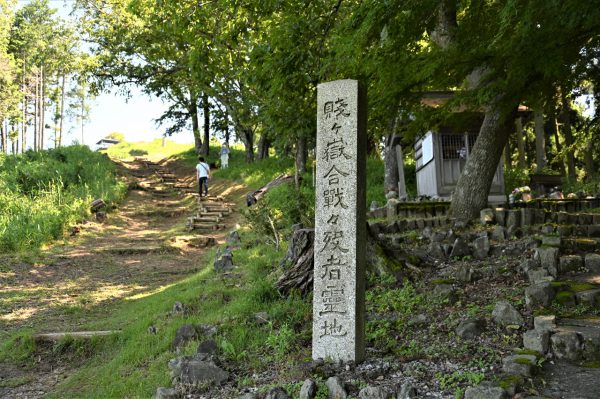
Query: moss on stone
x,y
439,281
564,298
572,286
522,360
509,381
527,352
593,364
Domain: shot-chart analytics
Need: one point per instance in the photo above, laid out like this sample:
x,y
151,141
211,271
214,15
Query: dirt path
x,y
141,247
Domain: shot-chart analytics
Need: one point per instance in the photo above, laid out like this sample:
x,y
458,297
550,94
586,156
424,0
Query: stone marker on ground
x,y
340,227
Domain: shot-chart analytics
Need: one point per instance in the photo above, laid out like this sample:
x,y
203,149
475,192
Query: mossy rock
x,y
594,364
509,380
565,298
524,351
572,286
439,281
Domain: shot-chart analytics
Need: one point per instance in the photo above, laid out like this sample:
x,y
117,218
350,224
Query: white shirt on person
x,y
203,169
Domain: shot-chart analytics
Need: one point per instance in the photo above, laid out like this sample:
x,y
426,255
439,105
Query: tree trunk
x,y
299,264
3,133
206,125
555,132
402,193
193,111
62,110
568,134
520,143
507,155
301,156
471,192
35,112
227,128
263,147
248,140
540,141
24,115
390,165
82,117
42,108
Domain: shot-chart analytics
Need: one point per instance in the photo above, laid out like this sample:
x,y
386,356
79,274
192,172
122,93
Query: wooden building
x,y
441,155
105,143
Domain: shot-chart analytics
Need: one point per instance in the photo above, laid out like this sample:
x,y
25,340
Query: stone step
x,y
577,339
202,219
210,198
590,244
402,225
210,214
215,209
205,226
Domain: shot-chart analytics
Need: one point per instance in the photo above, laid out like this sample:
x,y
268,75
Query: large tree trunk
x,y
471,192
35,112
193,111
3,133
568,134
42,108
299,264
520,143
555,132
540,141
227,128
248,140
263,147
206,126
62,110
301,157
390,166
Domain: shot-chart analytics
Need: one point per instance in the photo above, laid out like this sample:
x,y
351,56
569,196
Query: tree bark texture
x,y
205,150
390,165
299,264
520,143
540,140
62,110
301,157
402,194
263,147
568,134
193,111
471,192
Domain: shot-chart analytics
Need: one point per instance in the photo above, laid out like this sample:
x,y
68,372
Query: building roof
x,y
107,141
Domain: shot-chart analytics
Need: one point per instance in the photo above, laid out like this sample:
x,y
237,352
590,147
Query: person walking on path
x,y
224,156
203,173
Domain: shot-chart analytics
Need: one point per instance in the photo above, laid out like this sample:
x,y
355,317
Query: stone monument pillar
x,y
340,225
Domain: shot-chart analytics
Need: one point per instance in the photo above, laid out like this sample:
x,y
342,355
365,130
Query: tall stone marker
x,y
340,225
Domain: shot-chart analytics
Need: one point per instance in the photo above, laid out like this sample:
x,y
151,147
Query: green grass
x,y
151,149
41,193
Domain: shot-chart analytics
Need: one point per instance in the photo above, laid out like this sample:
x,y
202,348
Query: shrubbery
x,y
43,192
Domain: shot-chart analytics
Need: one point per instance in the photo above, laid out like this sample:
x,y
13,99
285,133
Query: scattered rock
x,y
536,340
166,393
436,250
446,292
522,365
548,258
178,308
592,262
208,347
499,233
234,240
375,393
485,391
552,241
207,330
418,320
536,276
336,388
97,204
545,323
460,248
308,390
469,329
101,217
407,391
570,263
540,294
152,330
487,216
277,393
191,370
504,314
567,345
589,297
261,318
528,264
183,335
467,274
224,260
481,247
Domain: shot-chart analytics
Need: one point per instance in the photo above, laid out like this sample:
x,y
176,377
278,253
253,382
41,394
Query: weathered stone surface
x,y
224,260
500,216
336,388
481,247
570,263
504,314
485,391
536,276
567,345
592,262
339,319
467,274
178,308
446,292
460,248
593,231
208,347
486,216
545,323
499,233
527,216
437,250
277,393
407,391
191,370
308,390
562,218
536,340
523,365
547,229
513,218
166,393
548,258
528,264
372,392
261,318
589,297
248,395
184,334
469,329
552,241
392,208
233,239
540,294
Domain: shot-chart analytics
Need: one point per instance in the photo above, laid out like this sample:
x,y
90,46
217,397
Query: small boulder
x,y
536,340
336,388
523,365
485,391
592,262
234,240
277,393
445,292
540,294
536,276
545,323
224,261
548,258
499,233
407,391
208,347
513,218
505,314
183,335
178,308
469,329
101,217
308,390
570,263
372,392
191,370
481,247
460,248
261,318
465,273
567,345
487,216
97,204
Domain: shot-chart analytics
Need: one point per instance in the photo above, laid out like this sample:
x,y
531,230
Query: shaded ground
x,y
142,248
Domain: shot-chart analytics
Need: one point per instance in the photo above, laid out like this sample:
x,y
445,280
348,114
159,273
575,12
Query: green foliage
x,y
457,380
43,192
514,178
127,151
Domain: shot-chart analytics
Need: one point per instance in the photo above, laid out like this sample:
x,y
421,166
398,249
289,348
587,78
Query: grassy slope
x,y
134,363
